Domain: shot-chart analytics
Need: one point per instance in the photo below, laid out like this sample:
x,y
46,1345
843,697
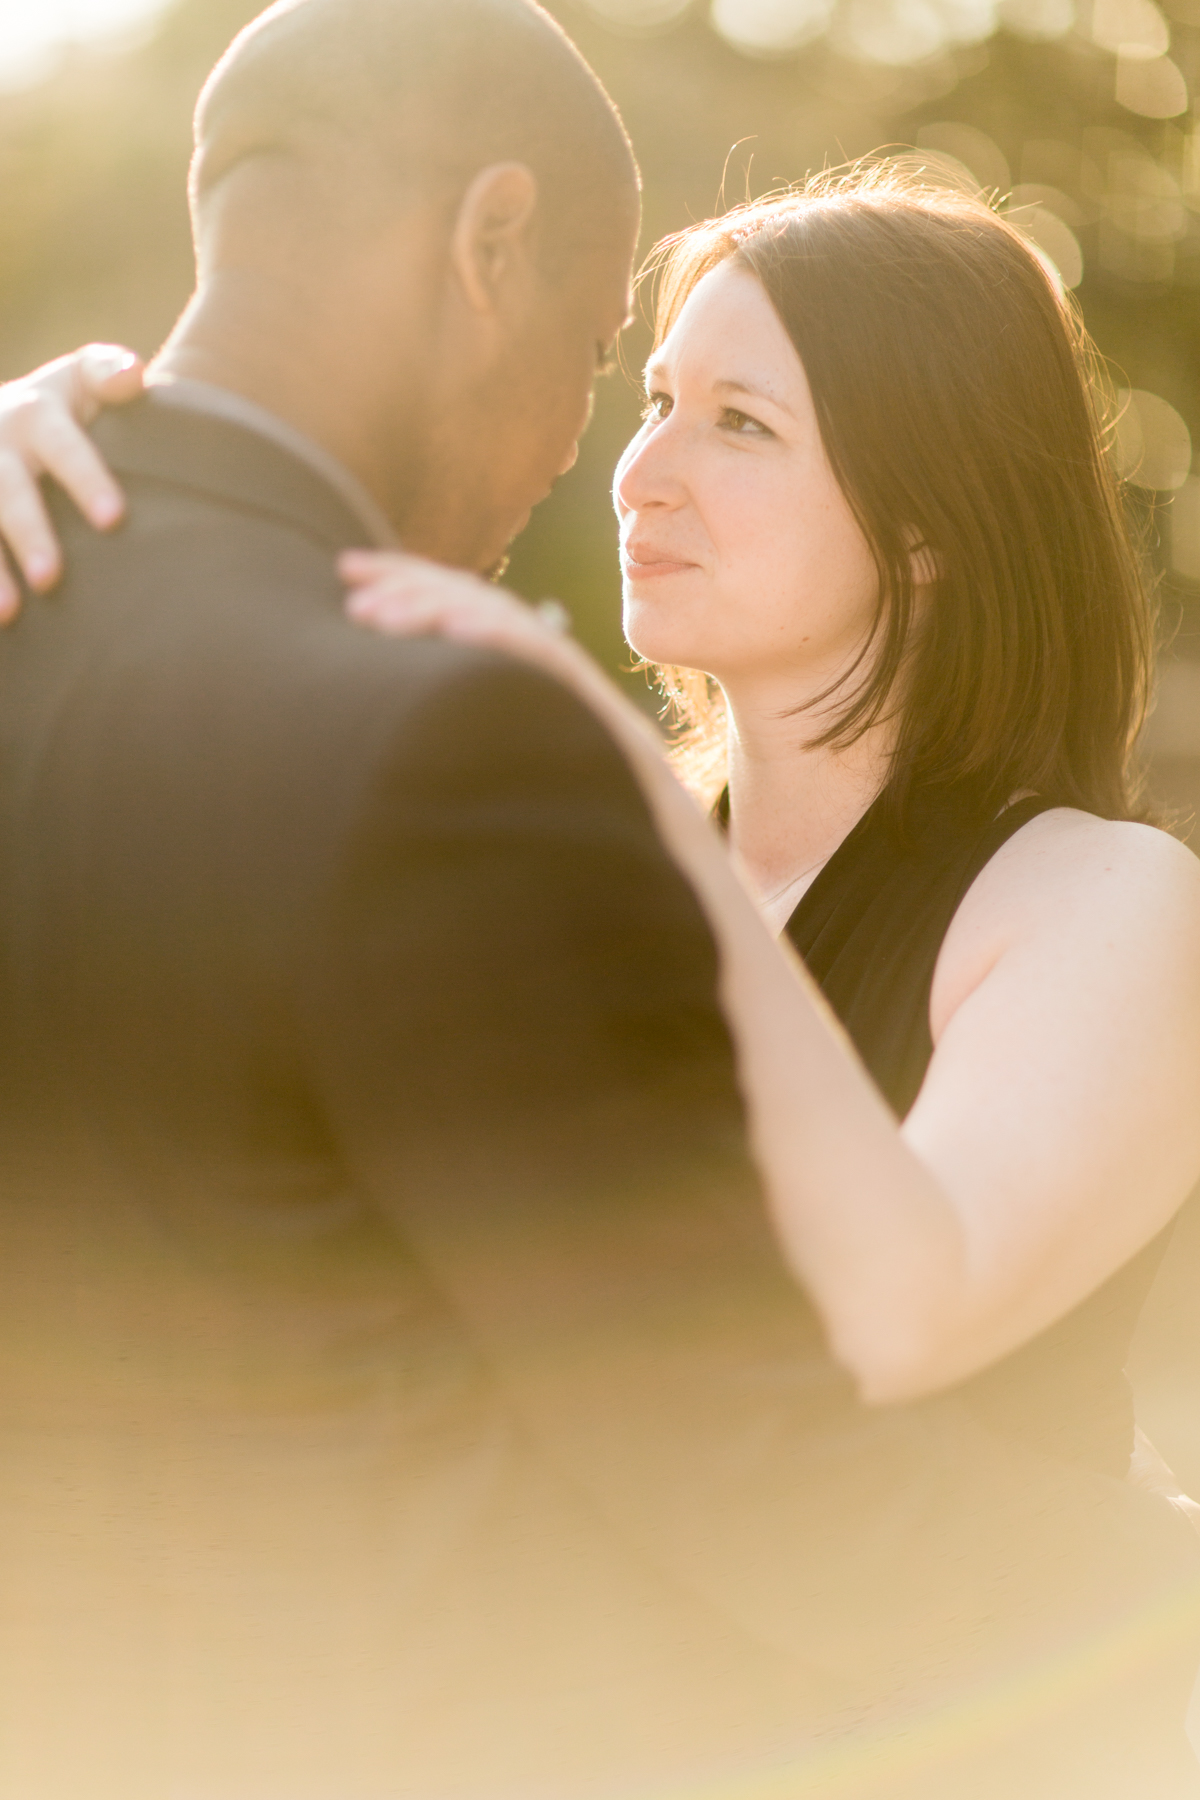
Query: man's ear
x,y
491,237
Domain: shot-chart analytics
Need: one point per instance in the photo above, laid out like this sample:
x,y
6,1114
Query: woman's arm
x,y
42,420
1057,1129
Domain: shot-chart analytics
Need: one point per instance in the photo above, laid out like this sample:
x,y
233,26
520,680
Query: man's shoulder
x,y
222,585
243,598
264,471
242,616
457,718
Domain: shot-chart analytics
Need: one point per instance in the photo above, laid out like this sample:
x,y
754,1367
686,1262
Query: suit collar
x,y
227,457
222,403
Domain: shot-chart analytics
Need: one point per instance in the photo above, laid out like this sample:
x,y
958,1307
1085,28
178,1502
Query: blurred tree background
x,y
1077,113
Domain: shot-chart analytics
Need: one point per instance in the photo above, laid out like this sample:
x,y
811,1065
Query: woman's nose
x,y
647,474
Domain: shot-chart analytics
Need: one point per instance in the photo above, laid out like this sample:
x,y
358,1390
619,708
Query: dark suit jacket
x,y
371,1143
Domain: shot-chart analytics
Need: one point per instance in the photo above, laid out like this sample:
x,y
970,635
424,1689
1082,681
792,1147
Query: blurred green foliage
x,y
93,225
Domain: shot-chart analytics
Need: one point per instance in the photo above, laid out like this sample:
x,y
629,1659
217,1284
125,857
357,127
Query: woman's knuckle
x,y
55,430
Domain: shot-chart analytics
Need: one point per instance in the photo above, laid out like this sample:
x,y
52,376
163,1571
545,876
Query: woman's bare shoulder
x,y
1065,850
1086,886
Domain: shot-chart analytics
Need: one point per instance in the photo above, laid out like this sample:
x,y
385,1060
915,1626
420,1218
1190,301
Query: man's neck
x,y
229,339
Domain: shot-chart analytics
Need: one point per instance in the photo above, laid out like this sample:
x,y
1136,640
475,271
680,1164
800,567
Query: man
x,y
375,1218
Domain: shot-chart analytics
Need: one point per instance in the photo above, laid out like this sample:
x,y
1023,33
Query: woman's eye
x,y
656,407
732,420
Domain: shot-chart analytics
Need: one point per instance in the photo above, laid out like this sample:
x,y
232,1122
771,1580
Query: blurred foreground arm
x,y
42,420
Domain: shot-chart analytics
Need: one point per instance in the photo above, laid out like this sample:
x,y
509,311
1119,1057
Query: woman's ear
x,y
490,243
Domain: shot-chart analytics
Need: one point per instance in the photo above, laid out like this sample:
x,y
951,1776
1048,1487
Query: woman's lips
x,y
648,565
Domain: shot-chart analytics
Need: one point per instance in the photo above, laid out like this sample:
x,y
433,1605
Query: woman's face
x,y
739,552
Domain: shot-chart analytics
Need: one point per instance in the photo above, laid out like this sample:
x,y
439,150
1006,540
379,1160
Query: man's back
x,y
357,1036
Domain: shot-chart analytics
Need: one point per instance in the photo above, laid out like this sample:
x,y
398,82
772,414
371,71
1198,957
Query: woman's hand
x,y
42,420
406,596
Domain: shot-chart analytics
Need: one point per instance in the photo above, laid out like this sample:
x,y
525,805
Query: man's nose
x,y
571,458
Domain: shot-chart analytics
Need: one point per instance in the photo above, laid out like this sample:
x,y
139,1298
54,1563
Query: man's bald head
x,y
415,226
326,105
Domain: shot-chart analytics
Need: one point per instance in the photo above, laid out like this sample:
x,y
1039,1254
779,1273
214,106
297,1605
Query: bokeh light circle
x,y
970,148
1153,446
1052,237
1152,86
770,27
638,15
1129,26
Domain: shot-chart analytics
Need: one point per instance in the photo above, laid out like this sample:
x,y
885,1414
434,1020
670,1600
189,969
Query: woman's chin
x,y
655,637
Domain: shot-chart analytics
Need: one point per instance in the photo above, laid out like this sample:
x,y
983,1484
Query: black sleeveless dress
x,y
869,930
1084,1557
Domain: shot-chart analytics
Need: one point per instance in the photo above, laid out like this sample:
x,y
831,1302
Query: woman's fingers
x,y
10,598
65,452
406,596
389,589
25,525
363,565
394,572
107,375
456,606
400,613
42,421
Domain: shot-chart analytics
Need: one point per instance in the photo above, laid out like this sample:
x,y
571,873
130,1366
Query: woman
x,y
870,536
869,501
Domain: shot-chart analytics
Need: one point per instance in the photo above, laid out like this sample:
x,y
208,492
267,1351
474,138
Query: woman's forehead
x,y
729,332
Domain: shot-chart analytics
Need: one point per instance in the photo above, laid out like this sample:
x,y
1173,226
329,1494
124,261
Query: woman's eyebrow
x,y
656,369
751,391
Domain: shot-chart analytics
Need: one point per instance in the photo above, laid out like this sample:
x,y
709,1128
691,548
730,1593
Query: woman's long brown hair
x,y
960,402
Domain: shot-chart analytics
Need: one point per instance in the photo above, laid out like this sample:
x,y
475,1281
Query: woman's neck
x,y
791,803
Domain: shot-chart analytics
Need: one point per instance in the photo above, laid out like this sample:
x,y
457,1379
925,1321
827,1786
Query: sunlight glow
x,y
34,34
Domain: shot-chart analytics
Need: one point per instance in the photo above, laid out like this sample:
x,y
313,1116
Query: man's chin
x,y
496,569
